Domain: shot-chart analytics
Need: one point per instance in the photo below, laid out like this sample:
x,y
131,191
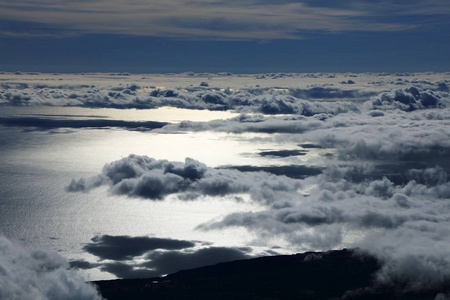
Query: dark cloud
x,y
37,273
172,261
82,264
329,93
310,146
49,123
126,247
123,270
293,171
163,256
283,153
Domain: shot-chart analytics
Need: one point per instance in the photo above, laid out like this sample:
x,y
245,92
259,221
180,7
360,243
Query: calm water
x,y
37,165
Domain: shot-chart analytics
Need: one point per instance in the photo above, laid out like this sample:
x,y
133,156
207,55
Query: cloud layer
x,y
382,185
379,179
37,273
250,19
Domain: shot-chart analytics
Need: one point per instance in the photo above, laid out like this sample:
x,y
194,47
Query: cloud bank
x,y
37,273
263,100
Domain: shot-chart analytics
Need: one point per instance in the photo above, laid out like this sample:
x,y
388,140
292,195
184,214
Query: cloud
x,y
145,177
265,100
251,123
412,261
162,256
37,273
209,19
408,99
268,101
171,261
380,180
283,153
52,123
293,171
128,271
404,225
82,264
126,247
382,183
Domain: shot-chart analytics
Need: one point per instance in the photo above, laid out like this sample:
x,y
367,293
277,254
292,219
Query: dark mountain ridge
x,y
337,274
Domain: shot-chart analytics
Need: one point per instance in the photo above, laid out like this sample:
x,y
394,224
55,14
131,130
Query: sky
x,y
251,36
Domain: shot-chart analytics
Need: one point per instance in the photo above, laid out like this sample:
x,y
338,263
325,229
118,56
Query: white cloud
x,y
37,273
142,176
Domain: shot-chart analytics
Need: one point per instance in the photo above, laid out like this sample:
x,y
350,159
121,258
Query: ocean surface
x,y
38,165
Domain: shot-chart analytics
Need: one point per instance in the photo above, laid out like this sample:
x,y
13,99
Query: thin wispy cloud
x,y
242,20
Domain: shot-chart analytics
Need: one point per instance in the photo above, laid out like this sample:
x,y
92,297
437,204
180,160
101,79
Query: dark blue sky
x,y
212,36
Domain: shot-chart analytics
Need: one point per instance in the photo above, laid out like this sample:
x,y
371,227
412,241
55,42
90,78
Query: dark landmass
x,y
302,276
339,274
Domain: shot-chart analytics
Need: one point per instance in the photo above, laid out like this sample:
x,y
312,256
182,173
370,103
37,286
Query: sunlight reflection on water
x,y
38,165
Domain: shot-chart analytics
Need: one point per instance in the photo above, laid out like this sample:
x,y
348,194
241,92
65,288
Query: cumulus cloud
x,y
404,225
37,273
142,176
409,99
268,101
265,100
